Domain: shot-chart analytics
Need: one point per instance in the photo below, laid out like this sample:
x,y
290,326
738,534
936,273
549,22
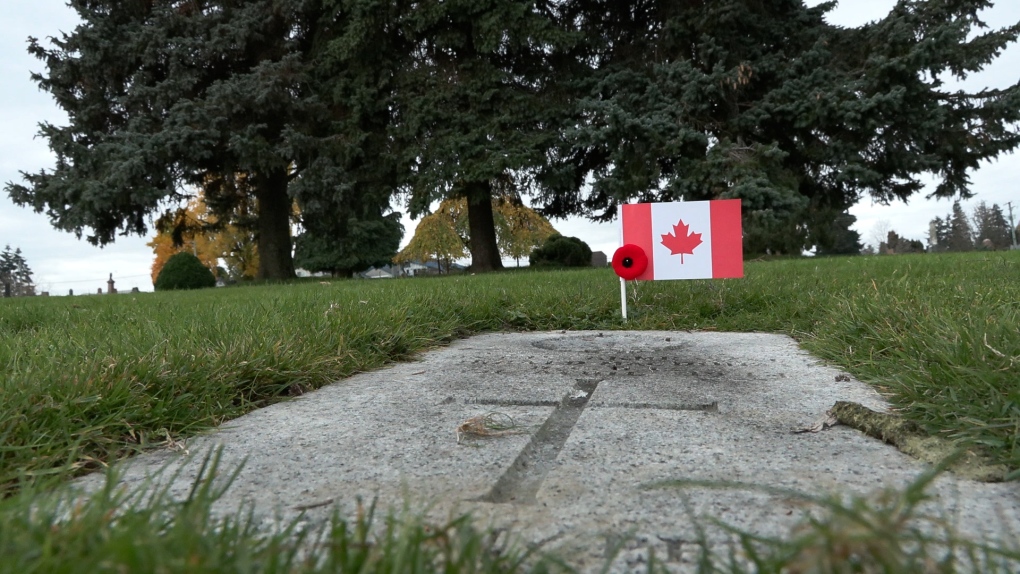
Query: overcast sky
x,y
62,262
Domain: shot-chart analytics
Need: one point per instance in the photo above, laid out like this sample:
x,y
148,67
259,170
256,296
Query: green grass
x,y
144,529
86,381
888,531
147,530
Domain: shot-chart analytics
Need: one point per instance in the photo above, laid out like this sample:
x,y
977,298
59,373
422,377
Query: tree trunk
x,y
276,260
484,250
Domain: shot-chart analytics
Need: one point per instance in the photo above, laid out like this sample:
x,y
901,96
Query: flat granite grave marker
x,y
609,420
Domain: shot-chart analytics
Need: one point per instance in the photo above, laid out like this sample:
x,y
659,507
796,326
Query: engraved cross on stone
x,y
520,483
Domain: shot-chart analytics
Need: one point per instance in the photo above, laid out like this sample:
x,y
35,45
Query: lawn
x,y
86,381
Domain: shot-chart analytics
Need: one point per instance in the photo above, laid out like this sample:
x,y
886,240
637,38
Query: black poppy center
x,y
628,262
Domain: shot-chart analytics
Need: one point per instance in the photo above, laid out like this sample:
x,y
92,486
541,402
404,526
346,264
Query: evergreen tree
x,y
22,274
184,271
560,251
222,95
365,242
938,235
15,275
960,235
991,231
837,238
999,230
477,104
7,268
586,103
345,216
766,232
766,102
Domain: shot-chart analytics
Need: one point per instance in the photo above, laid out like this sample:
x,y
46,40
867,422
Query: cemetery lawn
x,y
86,381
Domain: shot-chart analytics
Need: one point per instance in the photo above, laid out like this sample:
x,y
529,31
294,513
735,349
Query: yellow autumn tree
x,y
443,236
200,232
519,229
436,238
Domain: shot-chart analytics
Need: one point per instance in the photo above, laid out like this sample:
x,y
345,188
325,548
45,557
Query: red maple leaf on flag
x,y
681,240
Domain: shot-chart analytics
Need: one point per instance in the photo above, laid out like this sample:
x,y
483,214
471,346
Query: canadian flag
x,y
681,240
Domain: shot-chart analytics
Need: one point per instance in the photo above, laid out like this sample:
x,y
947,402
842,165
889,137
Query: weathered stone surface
x,y
604,424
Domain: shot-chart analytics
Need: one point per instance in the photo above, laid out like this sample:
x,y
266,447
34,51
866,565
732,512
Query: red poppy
x,y
630,261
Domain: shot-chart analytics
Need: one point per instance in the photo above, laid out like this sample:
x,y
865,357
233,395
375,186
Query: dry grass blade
x,y
175,445
490,424
825,423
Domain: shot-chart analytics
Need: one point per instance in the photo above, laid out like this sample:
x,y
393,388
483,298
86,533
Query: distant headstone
x,y
44,294
109,286
599,259
7,289
135,290
99,291
70,292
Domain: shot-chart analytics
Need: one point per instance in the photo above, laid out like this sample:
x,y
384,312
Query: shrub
x,y
559,251
184,271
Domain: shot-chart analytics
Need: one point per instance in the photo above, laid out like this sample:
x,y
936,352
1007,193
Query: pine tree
x,y
991,231
766,102
999,229
226,96
960,234
586,103
15,274
366,241
938,236
837,238
7,267
478,104
346,222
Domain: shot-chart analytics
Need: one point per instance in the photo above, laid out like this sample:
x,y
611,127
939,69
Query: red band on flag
x,y
727,239
637,230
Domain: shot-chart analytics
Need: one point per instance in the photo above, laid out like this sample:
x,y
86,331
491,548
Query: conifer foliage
x,y
991,230
766,102
164,97
584,104
15,275
987,230
479,102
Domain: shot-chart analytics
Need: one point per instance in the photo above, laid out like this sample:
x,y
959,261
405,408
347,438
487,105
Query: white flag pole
x,y
623,283
623,298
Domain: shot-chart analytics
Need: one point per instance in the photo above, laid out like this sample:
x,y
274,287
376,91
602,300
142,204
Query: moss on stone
x,y
971,463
